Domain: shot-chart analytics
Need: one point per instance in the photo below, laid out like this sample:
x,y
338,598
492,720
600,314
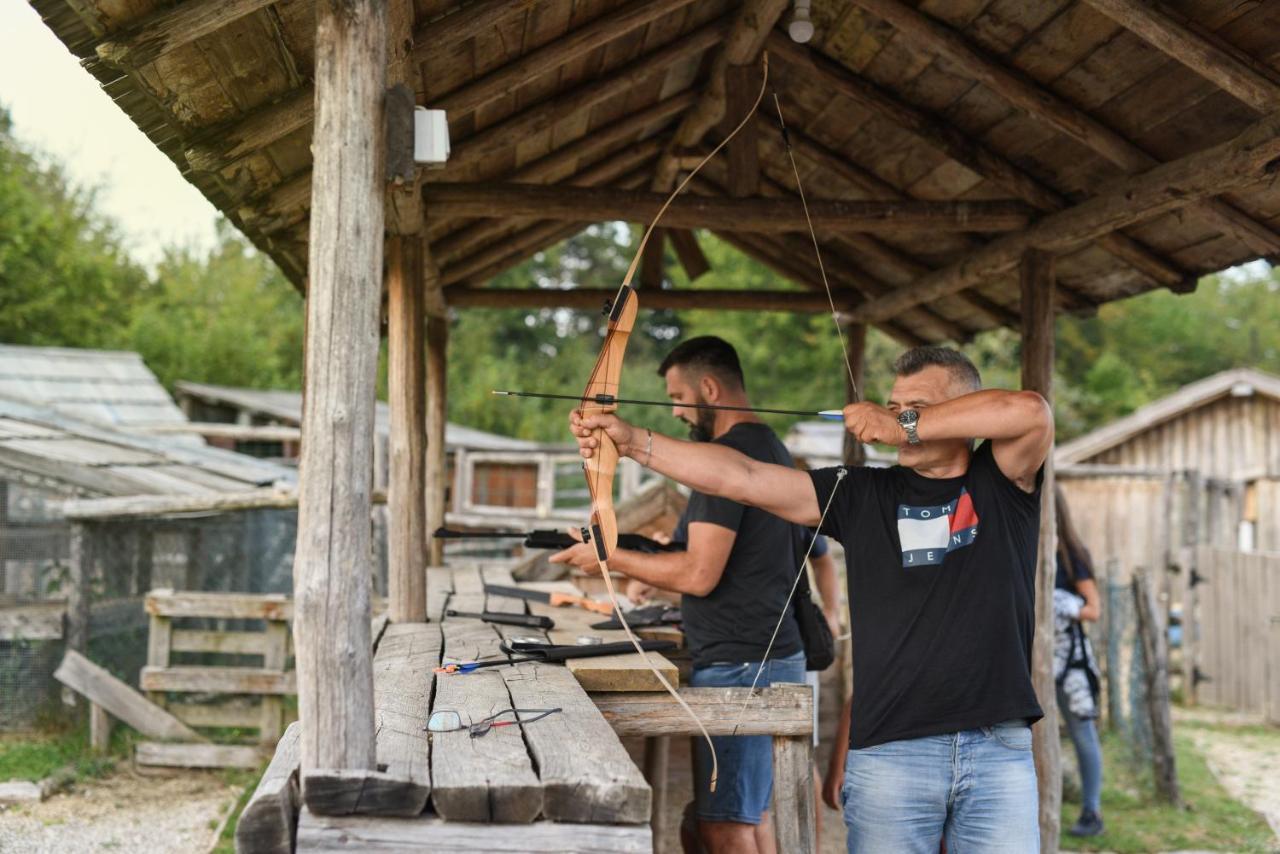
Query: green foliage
x,y
61,753
1136,822
64,276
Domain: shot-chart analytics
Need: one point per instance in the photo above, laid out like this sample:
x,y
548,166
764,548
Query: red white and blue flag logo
x,y
928,534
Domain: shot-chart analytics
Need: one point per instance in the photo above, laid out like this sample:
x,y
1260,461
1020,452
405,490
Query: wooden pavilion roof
x,y
942,122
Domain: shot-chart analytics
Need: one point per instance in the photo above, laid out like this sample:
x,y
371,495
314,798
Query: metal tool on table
x,y
528,621
556,599
552,539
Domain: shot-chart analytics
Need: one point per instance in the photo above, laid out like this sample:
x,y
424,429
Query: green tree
x,y
65,278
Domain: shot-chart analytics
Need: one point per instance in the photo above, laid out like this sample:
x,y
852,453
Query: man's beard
x,y
701,429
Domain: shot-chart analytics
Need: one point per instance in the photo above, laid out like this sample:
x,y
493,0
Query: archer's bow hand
x,y
584,429
873,423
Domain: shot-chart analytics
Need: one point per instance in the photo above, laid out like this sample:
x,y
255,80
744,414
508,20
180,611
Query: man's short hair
x,y
962,370
706,354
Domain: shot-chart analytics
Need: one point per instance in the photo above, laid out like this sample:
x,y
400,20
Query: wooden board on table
x,y
403,674
436,836
269,821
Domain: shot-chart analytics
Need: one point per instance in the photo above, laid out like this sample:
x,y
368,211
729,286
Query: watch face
x,y
907,416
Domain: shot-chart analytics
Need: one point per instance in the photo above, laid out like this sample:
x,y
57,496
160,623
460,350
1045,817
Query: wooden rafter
x,y
1241,161
577,204
968,152
1055,111
807,301
742,46
1160,27
168,29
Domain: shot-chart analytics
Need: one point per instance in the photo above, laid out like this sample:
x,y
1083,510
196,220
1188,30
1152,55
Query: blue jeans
x,y
1084,735
745,785
976,787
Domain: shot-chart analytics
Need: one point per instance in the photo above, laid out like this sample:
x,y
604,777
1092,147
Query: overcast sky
x,y
58,108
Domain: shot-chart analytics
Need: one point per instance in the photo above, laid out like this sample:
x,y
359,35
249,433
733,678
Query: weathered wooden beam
x,y
437,365
780,710
1055,111
331,592
1155,657
460,243
689,253
464,22
634,128
97,685
490,262
760,249
562,105
678,300
164,31
403,674
556,53
854,452
590,204
794,812
1037,285
973,155
751,26
162,755
653,261
406,496
328,835
1246,159
269,821
1160,27
742,83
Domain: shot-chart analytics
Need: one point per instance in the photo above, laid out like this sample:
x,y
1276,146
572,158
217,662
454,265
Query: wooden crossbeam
x,y
808,301
1241,161
687,250
557,53
1162,29
464,22
1055,111
971,154
164,31
742,46
587,204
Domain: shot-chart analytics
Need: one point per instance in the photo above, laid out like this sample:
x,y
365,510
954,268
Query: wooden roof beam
x,y
164,31
1050,108
760,249
1221,65
551,57
1249,157
688,252
742,46
807,301
501,257
971,154
458,244
578,204
219,146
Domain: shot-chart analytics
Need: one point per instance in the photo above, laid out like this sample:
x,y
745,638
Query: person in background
x,y
1075,600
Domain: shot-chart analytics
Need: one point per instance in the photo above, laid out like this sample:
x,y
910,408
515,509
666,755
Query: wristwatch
x,y
907,419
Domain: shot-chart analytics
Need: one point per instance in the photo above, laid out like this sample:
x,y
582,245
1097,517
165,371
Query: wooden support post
x,y
406,369
652,263
1155,654
741,85
1037,279
437,409
793,796
80,573
685,244
99,729
855,350
275,656
331,577
159,647
657,762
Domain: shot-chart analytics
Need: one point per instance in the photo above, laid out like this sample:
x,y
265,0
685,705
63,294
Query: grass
x,y
226,843
1137,824
35,756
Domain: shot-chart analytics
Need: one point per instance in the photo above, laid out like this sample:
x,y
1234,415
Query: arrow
x,y
610,400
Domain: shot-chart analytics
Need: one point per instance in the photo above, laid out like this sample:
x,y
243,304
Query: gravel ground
x,y
123,812
1246,763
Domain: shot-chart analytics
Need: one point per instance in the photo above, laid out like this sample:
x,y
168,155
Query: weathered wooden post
x,y
1155,654
331,577
1038,285
437,400
855,351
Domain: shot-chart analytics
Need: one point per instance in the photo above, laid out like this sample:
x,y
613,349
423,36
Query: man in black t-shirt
x,y
735,577
940,555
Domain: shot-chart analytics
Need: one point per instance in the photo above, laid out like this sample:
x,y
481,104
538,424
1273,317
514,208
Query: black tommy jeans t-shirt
x,y
734,621
941,594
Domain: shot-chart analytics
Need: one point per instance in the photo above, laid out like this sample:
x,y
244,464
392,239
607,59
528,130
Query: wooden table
x,y
564,783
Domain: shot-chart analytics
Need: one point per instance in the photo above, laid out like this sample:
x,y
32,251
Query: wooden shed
x,y
967,163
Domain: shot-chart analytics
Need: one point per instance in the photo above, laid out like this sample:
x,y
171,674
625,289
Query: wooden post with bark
x,y
406,369
855,350
1155,655
331,577
437,411
1038,285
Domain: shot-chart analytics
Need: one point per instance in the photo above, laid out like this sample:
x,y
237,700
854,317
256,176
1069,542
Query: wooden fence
x,y
1238,627
260,689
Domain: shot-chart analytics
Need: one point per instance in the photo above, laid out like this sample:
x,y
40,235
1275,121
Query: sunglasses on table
x,y
449,721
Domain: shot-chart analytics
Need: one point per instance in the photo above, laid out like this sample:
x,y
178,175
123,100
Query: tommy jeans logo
x,y
928,534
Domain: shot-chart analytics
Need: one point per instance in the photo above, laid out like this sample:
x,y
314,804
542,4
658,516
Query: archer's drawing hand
x,y
871,422
584,430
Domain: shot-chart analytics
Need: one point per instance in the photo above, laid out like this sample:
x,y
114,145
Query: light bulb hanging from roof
x,y
801,27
